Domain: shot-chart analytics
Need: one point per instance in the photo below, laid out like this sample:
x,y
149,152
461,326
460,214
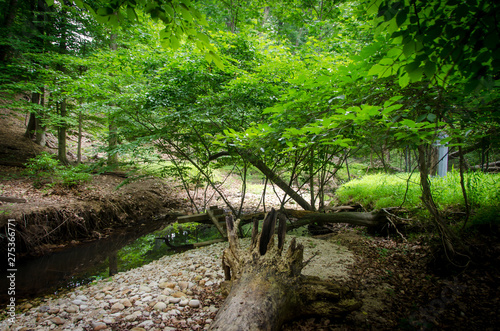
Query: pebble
x,y
99,326
174,300
71,309
117,307
58,321
160,306
162,295
194,303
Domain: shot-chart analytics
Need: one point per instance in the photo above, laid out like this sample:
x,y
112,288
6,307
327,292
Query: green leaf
x,y
131,13
203,38
79,3
390,109
429,69
409,123
377,69
49,3
409,48
402,16
404,80
185,13
416,75
174,42
373,7
431,117
102,19
217,60
105,11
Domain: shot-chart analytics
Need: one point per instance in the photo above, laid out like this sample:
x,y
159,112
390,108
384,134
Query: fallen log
x,y
12,200
372,219
204,218
186,247
266,289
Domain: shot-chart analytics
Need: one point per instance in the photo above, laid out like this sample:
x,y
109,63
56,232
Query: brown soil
x,y
55,216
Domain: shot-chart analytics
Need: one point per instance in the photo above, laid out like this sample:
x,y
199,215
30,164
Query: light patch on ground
x,y
329,260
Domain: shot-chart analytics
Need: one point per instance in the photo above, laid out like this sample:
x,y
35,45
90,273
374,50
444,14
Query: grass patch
x,y
384,190
381,191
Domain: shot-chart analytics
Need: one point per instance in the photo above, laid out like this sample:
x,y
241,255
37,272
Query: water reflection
x,y
124,249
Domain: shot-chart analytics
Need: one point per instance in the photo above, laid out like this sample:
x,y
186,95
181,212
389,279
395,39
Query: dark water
x,y
124,249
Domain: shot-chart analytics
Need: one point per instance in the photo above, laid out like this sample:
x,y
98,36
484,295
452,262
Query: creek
x,y
80,264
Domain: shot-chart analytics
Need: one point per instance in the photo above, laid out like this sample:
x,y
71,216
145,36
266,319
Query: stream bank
x,y
56,217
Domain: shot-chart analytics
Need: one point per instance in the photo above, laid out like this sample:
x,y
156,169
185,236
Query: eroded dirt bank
x,y
52,217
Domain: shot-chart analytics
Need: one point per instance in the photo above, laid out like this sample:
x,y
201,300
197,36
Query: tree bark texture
x,y
266,289
61,134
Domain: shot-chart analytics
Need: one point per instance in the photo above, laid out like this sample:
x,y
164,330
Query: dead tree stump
x,y
267,289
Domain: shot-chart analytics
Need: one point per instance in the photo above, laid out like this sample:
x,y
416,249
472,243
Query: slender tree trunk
x,y
79,148
31,127
61,134
311,180
112,127
36,129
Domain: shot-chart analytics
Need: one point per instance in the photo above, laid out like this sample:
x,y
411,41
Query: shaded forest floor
x,y
409,285
403,284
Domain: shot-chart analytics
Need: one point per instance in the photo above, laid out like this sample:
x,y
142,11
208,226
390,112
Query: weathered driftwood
x,y
266,289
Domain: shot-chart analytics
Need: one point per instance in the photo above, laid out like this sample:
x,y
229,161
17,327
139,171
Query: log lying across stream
x,y
267,288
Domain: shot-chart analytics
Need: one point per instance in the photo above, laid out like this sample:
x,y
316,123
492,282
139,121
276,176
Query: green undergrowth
x,y
46,170
394,190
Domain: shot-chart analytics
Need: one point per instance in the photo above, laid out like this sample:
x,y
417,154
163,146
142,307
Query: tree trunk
x,y
449,238
267,289
112,127
31,127
79,148
61,134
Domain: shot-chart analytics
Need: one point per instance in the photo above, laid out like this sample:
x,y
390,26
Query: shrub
x,y
42,168
48,171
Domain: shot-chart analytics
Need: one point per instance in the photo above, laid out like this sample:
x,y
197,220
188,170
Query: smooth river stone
x,y
174,300
194,303
160,306
178,295
117,307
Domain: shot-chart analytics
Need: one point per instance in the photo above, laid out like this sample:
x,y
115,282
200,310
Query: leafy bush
x,y
42,168
73,176
48,171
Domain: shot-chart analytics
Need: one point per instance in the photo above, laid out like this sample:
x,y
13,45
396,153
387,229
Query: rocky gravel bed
x,y
178,292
